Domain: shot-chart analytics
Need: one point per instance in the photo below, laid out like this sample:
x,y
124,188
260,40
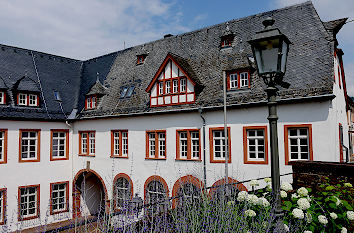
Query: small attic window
x,y
2,97
127,91
130,91
25,99
124,92
91,102
226,41
140,59
57,96
238,79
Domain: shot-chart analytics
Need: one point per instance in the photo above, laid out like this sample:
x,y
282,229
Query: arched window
x,y
218,189
123,191
188,190
156,193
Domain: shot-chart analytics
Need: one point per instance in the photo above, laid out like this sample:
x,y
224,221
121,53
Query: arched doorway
x,y
89,194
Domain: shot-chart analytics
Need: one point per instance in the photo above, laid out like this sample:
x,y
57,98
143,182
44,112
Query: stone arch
x,y
121,175
183,180
239,186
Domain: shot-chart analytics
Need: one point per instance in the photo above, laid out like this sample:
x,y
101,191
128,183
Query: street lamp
x,y
270,49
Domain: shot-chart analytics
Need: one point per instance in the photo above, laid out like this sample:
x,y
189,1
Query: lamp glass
x,y
267,52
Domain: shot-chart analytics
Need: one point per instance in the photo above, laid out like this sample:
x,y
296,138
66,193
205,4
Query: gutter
x,y
200,110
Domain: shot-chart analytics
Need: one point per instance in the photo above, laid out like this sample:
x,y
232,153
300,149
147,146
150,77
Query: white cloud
x,y
85,28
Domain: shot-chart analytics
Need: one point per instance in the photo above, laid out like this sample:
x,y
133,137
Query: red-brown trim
x,y
19,202
4,191
67,198
147,148
76,193
123,175
120,131
340,145
87,142
245,145
211,144
239,71
38,159
189,144
142,56
230,180
27,97
155,178
183,180
286,140
66,144
90,97
4,160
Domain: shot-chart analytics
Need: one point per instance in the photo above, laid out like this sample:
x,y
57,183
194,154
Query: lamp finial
x,y
268,22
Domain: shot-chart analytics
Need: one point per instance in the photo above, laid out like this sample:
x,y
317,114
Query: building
x,y
80,136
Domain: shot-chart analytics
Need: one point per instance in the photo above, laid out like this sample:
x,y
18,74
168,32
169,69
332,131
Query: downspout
x,y
200,110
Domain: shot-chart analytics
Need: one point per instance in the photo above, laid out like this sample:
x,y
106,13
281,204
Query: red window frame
x,y
67,198
4,159
120,155
155,178
226,41
156,132
66,131
4,201
211,143
38,159
245,145
38,202
125,176
27,99
171,86
3,97
182,181
238,72
87,143
189,144
88,104
140,59
286,140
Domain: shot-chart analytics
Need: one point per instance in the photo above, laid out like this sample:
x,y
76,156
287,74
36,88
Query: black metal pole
x,y
275,172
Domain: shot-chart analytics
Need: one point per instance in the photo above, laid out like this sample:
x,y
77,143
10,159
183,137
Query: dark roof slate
x,y
97,89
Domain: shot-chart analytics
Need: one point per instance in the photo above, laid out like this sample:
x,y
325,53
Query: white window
x,y
88,103
162,145
29,202
175,85
160,88
156,146
59,197
155,193
168,87
233,81
243,79
183,85
219,144
59,144
87,143
29,145
183,145
2,206
120,143
152,144
32,100
93,102
256,144
2,97
22,99
2,146
195,147
123,192
299,143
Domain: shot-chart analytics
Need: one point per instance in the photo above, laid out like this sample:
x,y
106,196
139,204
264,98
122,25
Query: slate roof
x,y
309,67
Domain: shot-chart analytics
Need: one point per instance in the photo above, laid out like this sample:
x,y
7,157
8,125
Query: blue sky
x,y
84,29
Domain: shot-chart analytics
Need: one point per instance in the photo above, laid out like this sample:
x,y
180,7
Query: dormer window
x,y
140,59
25,99
2,97
91,102
226,41
239,79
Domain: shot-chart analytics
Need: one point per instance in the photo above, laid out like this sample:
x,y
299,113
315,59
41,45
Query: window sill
x,y
256,162
58,212
189,160
219,161
28,161
28,218
85,155
155,158
119,157
58,159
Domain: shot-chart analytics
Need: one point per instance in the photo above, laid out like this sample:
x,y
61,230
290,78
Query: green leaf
x,y
332,205
330,188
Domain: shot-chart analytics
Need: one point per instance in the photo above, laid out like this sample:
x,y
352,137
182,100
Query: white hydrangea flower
x,y
348,185
252,199
322,219
269,187
242,196
308,217
333,215
286,186
298,213
264,202
267,180
309,198
350,215
286,228
283,194
303,203
254,183
250,213
294,195
302,192
307,231
338,202
344,230
264,194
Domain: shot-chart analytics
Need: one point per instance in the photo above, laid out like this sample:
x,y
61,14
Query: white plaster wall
x,y
15,174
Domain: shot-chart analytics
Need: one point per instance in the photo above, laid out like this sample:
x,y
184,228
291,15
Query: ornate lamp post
x,y
270,49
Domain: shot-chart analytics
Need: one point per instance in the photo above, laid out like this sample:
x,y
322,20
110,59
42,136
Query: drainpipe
x,y
200,110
